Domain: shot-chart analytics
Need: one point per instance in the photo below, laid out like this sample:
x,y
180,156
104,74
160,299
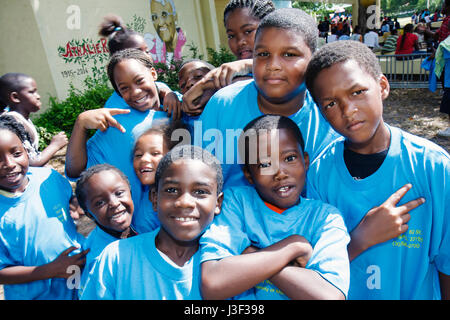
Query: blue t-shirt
x,y
246,220
116,148
134,269
404,267
35,228
146,219
231,108
95,242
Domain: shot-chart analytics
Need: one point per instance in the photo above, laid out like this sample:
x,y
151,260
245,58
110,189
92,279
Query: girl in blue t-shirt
x,y
133,76
104,194
38,239
148,150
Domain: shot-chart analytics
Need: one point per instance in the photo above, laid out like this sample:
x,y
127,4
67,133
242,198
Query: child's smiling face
x,y
13,163
352,101
279,174
136,84
186,199
149,150
109,200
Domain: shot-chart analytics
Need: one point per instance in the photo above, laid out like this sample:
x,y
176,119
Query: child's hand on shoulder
x,y
101,119
223,75
172,105
58,267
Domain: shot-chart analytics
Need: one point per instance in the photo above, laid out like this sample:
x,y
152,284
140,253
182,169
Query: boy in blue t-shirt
x,y
284,42
392,187
164,264
294,247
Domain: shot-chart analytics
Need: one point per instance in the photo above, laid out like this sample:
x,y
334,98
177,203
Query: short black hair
x,y
165,127
338,52
296,20
11,82
193,153
80,190
8,122
258,8
127,54
263,124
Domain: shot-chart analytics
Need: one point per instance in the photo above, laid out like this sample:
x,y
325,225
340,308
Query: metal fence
x,y
404,70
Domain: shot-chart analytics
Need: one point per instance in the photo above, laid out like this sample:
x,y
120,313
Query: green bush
x,y
61,115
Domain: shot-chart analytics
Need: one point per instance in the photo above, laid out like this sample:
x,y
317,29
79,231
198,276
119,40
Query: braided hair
x,y
258,8
8,122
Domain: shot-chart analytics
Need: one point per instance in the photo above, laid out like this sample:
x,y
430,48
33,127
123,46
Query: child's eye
x,y
170,190
262,54
201,192
123,89
249,31
230,36
358,92
120,193
156,153
290,158
99,203
264,165
140,80
329,105
290,54
17,154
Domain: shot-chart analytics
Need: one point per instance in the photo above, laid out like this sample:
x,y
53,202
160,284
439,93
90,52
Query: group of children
x,y
286,184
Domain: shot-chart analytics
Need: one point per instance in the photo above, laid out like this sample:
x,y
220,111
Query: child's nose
x,y
349,109
185,200
7,162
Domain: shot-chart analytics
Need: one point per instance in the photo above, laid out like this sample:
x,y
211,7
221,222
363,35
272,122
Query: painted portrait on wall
x,y
170,39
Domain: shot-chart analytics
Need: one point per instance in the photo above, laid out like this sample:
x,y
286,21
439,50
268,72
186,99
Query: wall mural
x,y
91,55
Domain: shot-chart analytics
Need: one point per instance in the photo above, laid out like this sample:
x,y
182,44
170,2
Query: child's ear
x,y
306,159
154,74
153,197
14,97
247,174
219,202
385,87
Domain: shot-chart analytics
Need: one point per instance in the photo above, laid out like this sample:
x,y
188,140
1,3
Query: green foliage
x,y
61,115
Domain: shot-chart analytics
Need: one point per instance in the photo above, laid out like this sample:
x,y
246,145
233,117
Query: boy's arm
x,y
305,284
444,281
55,269
58,141
382,223
101,119
228,277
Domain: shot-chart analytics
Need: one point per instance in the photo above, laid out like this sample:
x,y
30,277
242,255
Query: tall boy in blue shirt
x,y
284,42
392,187
295,247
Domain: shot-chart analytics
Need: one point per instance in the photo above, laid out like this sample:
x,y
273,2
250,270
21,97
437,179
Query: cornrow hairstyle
x,y
11,82
80,190
295,20
261,125
126,54
189,152
119,36
338,52
257,8
9,123
165,127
